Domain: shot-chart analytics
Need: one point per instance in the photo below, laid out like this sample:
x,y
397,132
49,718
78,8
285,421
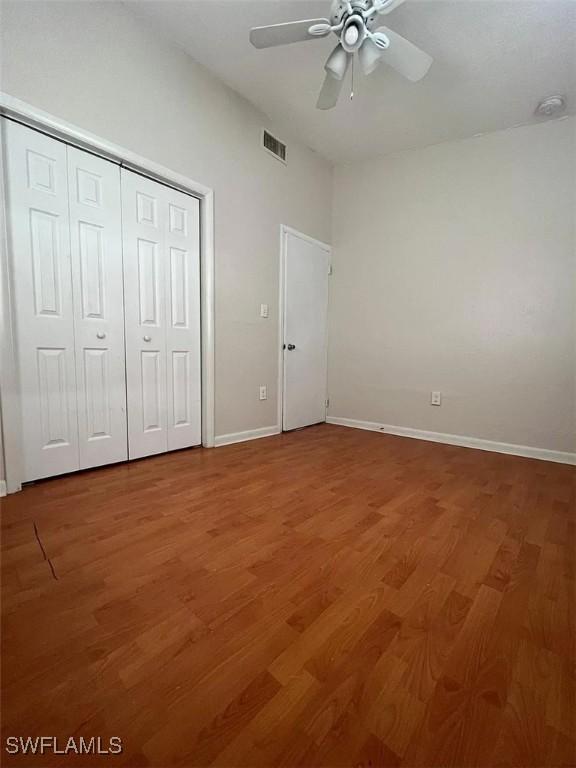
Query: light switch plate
x,y
263,392
264,311
436,398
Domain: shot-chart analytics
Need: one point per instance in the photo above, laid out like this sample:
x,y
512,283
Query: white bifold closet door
x,y
161,233
97,281
65,244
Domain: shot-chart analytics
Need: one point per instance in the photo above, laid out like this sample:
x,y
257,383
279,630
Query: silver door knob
x,y
100,335
147,338
291,347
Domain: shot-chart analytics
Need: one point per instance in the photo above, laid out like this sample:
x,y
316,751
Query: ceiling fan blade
x,y
405,57
284,34
387,6
330,92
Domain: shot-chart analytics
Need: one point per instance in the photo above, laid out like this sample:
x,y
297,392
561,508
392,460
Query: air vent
x,y
274,146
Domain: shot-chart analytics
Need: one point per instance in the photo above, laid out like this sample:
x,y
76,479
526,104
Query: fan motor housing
x,y
340,11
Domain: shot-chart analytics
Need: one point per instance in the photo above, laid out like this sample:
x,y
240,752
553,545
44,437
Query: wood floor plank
x,y
457,729
328,597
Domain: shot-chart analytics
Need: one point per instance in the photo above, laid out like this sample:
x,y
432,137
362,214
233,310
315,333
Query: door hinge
x,y
327,402
330,270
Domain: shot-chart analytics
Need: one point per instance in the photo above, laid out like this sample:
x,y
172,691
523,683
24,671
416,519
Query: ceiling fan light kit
x,y
369,57
353,33
337,63
352,21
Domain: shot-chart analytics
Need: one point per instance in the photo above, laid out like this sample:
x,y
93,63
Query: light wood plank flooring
x,y
329,597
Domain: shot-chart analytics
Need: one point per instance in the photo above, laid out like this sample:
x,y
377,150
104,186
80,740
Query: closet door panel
x,y
96,240
162,289
183,321
39,242
145,315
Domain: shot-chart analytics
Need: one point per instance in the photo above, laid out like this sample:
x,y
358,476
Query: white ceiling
x,y
494,61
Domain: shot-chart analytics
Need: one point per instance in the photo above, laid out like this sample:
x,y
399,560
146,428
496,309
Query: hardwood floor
x,y
328,597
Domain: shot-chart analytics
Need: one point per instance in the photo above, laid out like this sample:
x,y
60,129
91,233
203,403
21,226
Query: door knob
x,y
291,347
100,335
147,338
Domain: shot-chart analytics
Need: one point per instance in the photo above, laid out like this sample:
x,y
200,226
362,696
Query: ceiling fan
x,y
353,22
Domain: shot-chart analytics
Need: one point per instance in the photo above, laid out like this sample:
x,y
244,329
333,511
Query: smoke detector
x,y
551,106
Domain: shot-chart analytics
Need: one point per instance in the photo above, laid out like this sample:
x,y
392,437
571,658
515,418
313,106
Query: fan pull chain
x,y
352,85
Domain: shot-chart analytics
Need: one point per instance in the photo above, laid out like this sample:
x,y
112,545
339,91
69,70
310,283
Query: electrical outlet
x,y
264,392
436,398
264,311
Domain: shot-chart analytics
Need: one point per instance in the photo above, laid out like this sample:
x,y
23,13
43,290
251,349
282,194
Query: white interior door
x,y
96,242
39,232
161,236
306,271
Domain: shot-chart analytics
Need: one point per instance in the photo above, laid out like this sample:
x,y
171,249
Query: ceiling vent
x,y
274,146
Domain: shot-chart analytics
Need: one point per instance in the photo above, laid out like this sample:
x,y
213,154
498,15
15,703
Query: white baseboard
x,y
527,451
241,437
3,488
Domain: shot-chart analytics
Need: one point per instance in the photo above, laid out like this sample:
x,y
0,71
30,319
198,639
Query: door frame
x,y
32,117
285,230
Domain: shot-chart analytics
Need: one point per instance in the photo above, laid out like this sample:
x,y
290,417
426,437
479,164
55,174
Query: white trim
x,y
71,134
284,231
2,488
478,443
207,314
242,437
280,379
10,412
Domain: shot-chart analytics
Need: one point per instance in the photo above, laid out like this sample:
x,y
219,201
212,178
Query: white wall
x,y
455,270
97,66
